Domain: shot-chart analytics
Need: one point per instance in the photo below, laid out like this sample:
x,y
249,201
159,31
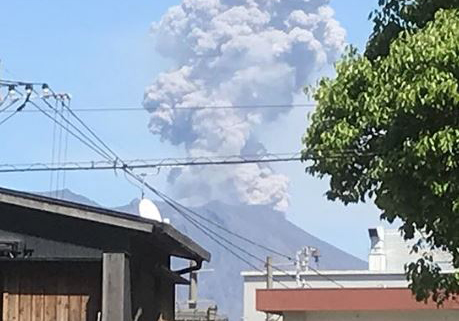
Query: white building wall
x,y
348,279
427,315
388,271
398,252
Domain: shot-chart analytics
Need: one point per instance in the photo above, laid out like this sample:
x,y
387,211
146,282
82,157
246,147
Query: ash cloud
x,y
230,53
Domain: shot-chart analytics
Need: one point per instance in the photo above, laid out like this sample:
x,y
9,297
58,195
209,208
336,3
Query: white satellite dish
x,y
149,210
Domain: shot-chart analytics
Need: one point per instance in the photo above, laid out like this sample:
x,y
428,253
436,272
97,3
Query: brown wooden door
x,y
51,292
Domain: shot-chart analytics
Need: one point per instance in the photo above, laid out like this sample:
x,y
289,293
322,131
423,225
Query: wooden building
x,y
62,261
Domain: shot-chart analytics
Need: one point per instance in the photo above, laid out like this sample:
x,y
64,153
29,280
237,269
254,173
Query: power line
x,y
56,110
103,165
53,152
326,277
128,170
86,127
207,231
9,117
66,145
181,210
200,227
136,177
187,108
138,164
174,204
2,101
168,199
244,238
19,109
210,233
7,83
59,149
69,131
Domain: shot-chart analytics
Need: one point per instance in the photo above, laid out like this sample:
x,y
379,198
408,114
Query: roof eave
x,y
190,249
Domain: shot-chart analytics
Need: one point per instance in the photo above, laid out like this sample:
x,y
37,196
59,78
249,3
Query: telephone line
x,y
129,171
75,127
174,204
12,168
181,210
69,131
137,164
185,108
17,110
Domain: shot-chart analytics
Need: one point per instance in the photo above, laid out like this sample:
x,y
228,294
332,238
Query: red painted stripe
x,y
367,299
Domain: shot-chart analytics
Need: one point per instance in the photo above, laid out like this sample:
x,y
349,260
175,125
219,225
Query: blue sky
x,y
103,54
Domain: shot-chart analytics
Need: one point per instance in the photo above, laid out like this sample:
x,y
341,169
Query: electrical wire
x,y
91,142
202,228
3,101
261,246
53,152
179,208
208,232
204,231
90,130
74,126
19,109
190,108
128,170
170,202
139,164
243,238
9,117
59,152
326,277
194,222
70,132
6,83
112,165
66,143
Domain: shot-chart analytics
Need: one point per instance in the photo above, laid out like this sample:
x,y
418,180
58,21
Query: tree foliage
x,y
395,16
387,128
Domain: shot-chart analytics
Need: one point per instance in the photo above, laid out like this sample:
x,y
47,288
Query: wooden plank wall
x,y
51,293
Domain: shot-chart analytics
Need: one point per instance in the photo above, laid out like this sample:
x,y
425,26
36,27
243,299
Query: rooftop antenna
x,y
148,209
302,263
144,176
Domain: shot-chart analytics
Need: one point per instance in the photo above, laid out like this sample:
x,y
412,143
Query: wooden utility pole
x,y
116,287
269,278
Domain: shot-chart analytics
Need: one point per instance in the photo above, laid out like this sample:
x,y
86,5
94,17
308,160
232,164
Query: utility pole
x,y
269,272
193,289
269,279
302,263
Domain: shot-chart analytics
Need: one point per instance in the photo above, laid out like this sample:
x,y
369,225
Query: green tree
x,y
396,16
387,129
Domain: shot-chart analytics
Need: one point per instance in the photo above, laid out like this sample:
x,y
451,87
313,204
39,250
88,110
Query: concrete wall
x,y
434,315
349,279
398,252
